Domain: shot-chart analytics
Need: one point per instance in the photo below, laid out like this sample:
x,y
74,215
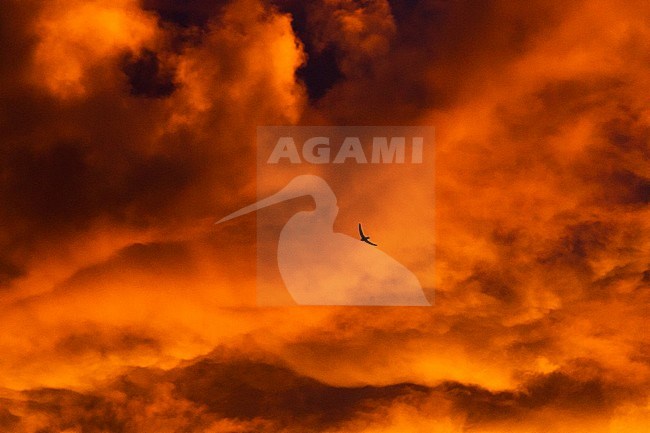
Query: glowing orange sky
x,y
128,129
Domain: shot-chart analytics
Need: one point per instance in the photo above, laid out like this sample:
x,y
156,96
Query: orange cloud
x,y
128,129
77,36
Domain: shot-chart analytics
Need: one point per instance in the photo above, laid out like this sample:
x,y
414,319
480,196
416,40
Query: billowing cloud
x,y
128,129
217,393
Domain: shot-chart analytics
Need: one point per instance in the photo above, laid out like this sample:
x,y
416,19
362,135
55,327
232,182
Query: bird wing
x,y
361,231
373,244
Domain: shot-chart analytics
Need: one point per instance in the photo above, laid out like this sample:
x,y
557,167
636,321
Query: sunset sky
x,y
128,128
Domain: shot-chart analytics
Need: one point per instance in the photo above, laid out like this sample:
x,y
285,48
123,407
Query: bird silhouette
x,y
365,238
321,267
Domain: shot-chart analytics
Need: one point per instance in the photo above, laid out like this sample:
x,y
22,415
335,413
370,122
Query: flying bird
x,y
321,267
365,238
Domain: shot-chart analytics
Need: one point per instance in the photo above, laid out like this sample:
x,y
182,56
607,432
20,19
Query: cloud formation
x,y
233,394
128,128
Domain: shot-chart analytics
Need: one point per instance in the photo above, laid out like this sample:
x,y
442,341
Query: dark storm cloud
x,y
206,391
54,187
320,72
439,51
496,283
186,13
8,420
555,392
628,132
272,397
252,389
580,242
16,16
321,69
8,272
69,409
102,342
52,183
65,187
625,187
146,76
